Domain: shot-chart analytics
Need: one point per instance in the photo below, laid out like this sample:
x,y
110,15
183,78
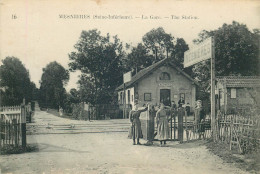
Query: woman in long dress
x,y
136,131
162,124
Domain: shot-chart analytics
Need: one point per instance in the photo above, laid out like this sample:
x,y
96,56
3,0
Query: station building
x,y
161,82
237,92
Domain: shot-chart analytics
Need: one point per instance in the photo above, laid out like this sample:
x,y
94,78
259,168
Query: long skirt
x,y
200,126
163,130
135,129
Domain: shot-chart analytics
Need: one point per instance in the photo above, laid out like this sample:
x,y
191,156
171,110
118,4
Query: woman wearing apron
x,y
162,124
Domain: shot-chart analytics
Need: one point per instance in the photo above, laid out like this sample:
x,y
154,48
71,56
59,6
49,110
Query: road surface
x,y
102,147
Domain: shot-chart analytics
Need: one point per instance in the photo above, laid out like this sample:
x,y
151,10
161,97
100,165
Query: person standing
x,y
136,131
162,124
199,117
60,111
173,108
181,102
187,109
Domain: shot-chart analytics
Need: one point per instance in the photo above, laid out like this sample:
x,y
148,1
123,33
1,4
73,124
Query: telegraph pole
x,y
204,51
213,111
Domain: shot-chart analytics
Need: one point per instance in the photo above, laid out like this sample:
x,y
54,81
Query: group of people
x,y
162,117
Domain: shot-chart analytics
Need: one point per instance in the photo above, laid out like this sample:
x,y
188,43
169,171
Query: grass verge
x,y
248,162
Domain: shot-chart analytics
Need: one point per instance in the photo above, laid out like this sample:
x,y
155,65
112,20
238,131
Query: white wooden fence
x,y
13,125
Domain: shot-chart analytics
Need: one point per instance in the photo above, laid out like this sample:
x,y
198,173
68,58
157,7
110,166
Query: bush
x,y
11,149
76,110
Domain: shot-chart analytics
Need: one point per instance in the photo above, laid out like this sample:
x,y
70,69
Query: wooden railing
x,y
11,109
9,113
241,132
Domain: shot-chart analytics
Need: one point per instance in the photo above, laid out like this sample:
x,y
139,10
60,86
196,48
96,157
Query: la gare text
x,y
129,17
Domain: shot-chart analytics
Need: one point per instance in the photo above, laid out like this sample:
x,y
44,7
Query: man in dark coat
x,y
199,115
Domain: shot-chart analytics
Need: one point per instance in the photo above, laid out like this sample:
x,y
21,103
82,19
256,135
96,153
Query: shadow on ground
x,y
43,147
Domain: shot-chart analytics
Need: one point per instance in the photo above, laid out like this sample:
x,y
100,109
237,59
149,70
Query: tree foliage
x,y
72,99
158,42
156,45
139,58
99,60
177,52
52,91
236,52
15,82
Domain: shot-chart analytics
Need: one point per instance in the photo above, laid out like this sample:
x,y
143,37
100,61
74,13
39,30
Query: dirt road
x,y
102,147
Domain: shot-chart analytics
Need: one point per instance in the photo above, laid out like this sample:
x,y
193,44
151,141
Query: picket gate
x,y
12,124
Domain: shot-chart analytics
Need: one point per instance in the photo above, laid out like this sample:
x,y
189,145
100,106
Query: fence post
x,y
29,113
0,132
217,124
6,133
171,125
9,131
231,129
23,125
148,123
180,124
15,132
186,127
174,126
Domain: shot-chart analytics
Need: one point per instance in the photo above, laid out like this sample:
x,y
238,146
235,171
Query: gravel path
x,y
101,147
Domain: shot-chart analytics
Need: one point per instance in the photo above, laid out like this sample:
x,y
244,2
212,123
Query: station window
x,y
165,76
147,97
233,93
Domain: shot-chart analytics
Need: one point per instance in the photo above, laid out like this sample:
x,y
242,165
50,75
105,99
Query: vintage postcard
x,y
129,87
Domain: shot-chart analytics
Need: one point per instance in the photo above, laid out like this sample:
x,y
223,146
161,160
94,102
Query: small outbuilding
x,y
237,92
161,82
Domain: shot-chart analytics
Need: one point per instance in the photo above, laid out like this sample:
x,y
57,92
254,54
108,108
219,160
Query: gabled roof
x,y
149,69
239,81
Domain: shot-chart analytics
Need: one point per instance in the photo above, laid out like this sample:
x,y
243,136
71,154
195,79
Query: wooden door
x,y
165,97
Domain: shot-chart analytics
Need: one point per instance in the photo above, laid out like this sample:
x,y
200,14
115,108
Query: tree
x,y
100,60
236,52
35,91
74,96
156,45
53,80
177,53
158,42
138,58
72,99
15,82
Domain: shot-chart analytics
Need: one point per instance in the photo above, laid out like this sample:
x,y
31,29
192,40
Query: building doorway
x,y
165,97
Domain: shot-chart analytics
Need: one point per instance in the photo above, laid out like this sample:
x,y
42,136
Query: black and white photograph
x,y
129,86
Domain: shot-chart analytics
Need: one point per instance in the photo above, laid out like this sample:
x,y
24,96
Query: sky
x,y
33,31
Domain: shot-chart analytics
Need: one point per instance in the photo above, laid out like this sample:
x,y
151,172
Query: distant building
x,y
161,82
235,92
